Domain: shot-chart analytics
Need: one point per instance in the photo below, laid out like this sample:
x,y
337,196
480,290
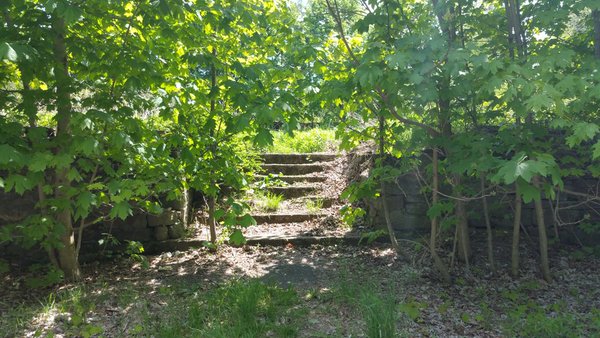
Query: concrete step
x,y
326,202
286,218
298,158
349,239
154,248
294,169
293,191
296,178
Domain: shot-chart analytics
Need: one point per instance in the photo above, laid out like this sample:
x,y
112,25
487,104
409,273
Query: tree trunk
x,y
488,226
437,262
67,257
596,18
516,232
386,211
515,31
212,199
464,242
543,237
211,219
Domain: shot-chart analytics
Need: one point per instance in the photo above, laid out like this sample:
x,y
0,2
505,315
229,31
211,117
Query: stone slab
x,y
298,158
293,169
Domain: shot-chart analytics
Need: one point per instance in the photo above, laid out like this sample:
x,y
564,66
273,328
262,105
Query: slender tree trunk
x,y
211,219
67,257
212,199
543,237
516,232
596,18
515,31
464,242
437,262
386,211
488,226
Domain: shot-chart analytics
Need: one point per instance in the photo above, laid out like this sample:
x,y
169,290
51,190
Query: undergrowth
x,y
306,141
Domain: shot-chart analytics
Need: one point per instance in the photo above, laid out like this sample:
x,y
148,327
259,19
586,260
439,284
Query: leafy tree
x,y
141,99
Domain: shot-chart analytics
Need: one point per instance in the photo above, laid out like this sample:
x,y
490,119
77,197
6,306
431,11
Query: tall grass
x,y
239,309
379,311
306,141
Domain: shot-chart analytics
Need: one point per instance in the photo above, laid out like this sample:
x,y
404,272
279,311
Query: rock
x,y
168,217
177,231
136,221
161,233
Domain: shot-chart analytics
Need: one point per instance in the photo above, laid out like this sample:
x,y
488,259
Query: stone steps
x,y
286,218
301,241
294,169
291,179
293,191
298,158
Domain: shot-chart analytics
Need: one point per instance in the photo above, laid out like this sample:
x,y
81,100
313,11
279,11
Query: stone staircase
x,y
305,177
308,179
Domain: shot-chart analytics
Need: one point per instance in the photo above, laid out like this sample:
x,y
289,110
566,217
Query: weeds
x,y
533,320
239,309
314,205
268,201
378,311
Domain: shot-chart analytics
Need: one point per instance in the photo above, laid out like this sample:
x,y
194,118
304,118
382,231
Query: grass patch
x,y
238,309
314,205
306,141
377,309
268,201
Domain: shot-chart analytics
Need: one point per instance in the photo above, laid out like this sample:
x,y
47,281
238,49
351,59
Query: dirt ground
x,y
474,305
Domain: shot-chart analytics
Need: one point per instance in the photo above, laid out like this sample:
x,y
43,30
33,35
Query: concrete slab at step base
x,y
153,248
294,178
297,158
286,218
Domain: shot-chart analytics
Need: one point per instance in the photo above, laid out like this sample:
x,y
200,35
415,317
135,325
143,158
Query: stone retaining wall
x,y
408,207
141,226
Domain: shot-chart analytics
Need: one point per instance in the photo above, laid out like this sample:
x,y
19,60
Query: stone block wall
x,y
141,226
408,207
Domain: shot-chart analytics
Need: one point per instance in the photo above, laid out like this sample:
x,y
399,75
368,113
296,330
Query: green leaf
x,y
9,154
83,204
528,191
537,102
508,172
263,138
19,183
121,210
438,209
70,13
219,213
40,161
582,131
368,74
8,52
237,237
247,220
398,60
530,168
